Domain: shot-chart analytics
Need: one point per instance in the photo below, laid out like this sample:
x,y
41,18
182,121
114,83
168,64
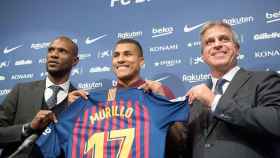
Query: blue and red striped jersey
x,y
134,125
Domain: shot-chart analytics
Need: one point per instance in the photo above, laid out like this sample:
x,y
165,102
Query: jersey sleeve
x,y
55,137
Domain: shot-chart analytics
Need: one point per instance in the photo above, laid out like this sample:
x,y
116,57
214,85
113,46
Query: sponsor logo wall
x,y
167,30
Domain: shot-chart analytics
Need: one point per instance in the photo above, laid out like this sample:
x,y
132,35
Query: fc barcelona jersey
x,y
134,125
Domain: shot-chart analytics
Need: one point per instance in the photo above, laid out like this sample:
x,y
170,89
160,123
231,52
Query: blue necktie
x,y
219,86
52,101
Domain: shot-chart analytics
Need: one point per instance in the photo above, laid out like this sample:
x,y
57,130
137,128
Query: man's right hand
x,y
74,95
42,119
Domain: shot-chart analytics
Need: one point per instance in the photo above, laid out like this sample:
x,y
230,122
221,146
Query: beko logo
x,y
164,48
99,69
4,91
195,77
130,34
115,3
89,86
163,31
239,20
4,64
272,17
168,63
267,53
22,76
263,36
23,62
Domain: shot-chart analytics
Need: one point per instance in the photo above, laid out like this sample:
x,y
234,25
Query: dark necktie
x,y
219,86
52,101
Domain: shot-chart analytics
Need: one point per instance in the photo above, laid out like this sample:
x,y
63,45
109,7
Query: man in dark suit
x,y
237,115
26,109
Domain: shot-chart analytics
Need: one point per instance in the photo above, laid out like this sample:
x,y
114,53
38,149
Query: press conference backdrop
x,y
167,29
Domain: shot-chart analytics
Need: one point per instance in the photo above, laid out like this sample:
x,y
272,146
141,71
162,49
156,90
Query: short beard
x,y
59,73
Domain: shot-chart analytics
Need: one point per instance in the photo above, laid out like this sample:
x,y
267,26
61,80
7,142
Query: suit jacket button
x,y
208,145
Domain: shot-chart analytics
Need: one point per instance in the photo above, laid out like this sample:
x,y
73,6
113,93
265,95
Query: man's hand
x,y
153,86
74,95
201,93
42,119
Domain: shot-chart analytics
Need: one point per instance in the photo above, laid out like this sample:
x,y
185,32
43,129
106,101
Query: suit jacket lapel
x,y
38,94
237,82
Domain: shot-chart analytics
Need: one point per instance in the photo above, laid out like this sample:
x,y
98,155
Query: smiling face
x,y
61,58
219,50
127,62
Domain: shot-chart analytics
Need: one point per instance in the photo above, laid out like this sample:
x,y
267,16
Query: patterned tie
x,y
219,86
52,101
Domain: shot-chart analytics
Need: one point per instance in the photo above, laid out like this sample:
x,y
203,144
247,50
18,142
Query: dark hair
x,y
74,45
132,41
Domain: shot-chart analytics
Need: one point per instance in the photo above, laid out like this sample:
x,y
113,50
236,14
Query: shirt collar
x,y
228,76
133,85
65,86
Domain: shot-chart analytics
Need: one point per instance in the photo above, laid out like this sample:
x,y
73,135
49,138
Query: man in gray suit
x,y
236,115
26,109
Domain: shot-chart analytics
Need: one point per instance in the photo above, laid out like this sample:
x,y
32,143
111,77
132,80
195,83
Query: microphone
x,y
27,142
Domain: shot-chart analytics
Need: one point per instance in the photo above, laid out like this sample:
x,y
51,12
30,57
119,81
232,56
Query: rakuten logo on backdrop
x,y
192,78
130,34
115,3
239,20
272,16
89,86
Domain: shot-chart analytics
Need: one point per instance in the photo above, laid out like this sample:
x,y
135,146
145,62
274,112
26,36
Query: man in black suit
x,y
239,116
25,110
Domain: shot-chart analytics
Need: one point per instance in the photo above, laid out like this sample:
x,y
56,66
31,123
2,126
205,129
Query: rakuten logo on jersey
x,y
170,47
89,86
4,91
4,64
239,20
115,3
22,76
163,31
272,16
192,78
264,36
168,63
267,53
130,34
